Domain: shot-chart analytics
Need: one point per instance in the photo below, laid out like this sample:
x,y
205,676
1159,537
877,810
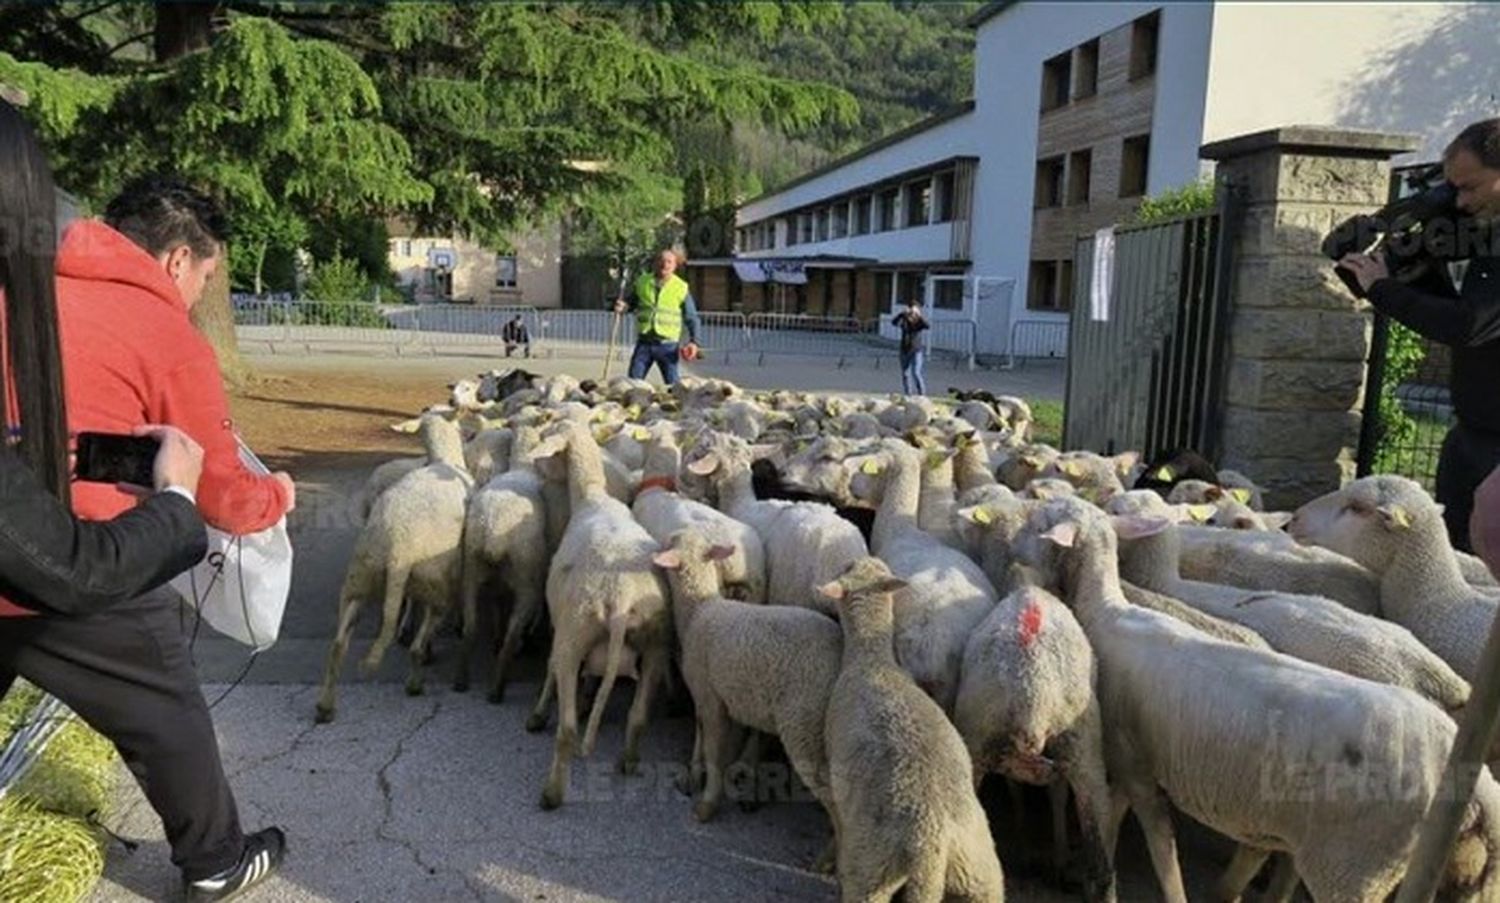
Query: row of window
x,y
1067,179
1073,75
1050,285
920,202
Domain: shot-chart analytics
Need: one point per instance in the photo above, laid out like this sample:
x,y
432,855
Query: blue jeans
x,y
912,381
662,354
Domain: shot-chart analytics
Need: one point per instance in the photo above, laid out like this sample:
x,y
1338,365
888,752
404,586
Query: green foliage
x,y
338,280
49,849
1047,421
1174,202
1399,431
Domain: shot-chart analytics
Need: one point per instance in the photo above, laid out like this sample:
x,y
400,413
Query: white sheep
x,y
664,512
767,667
380,479
807,544
1310,628
947,594
1276,562
1026,709
906,815
1391,526
411,545
505,538
1275,753
604,596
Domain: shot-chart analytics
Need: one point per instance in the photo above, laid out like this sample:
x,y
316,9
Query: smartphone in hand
x,y
111,458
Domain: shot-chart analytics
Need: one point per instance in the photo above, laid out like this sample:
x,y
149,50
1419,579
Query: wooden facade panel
x,y
866,307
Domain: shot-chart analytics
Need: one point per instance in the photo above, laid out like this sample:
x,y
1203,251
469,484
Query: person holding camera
x,y
663,306
83,614
1467,320
912,324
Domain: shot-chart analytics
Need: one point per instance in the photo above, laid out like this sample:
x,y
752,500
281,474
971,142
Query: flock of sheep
x,y
909,596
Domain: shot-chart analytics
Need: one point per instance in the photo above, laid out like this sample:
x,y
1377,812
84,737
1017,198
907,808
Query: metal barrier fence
x,y
1146,365
1034,339
439,327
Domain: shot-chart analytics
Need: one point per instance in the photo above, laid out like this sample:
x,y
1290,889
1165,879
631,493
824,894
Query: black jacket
x,y
1468,321
52,562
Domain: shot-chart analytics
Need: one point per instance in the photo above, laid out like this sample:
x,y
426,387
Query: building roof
x,y
896,137
831,261
988,11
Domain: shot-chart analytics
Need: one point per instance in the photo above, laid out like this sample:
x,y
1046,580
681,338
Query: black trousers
x,y
1468,457
128,674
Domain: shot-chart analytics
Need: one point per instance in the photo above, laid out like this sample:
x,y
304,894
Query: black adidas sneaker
x,y
264,851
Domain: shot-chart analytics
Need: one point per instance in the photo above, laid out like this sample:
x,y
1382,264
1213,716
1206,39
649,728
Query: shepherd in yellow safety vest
x,y
663,307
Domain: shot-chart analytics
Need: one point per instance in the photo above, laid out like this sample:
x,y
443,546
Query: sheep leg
x,y
748,764
565,674
1284,880
654,663
395,590
522,617
1240,871
430,620
1091,799
1057,795
537,720
1156,819
688,784
472,579
616,651
928,879
714,719
348,614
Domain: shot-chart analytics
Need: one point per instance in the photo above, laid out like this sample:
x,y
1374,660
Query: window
x,y
792,230
884,283
804,228
862,215
406,247
1135,159
909,284
840,213
888,209
505,271
1057,77
1086,70
1079,165
1065,285
918,202
1049,182
1041,292
1144,37
820,225
946,185
948,294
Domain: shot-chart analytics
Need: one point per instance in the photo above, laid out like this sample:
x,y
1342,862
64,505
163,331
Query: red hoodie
x,y
131,357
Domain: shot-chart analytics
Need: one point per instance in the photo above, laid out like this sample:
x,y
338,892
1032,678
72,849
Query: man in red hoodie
x,y
131,357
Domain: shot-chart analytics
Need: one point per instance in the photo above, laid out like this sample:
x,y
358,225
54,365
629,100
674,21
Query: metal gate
x,y
1146,358
1407,409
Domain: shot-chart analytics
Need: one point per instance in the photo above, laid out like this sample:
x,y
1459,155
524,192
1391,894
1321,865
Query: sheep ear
x,y
1125,462
1277,520
1136,526
889,585
767,450
1395,517
667,560
1213,493
719,553
1070,468
1241,495
705,465
832,590
977,514
1064,534
408,426
1200,513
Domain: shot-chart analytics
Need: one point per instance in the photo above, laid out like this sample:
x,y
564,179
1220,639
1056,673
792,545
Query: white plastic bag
x,y
240,589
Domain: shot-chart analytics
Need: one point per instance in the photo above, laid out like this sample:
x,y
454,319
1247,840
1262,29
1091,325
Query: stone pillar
x,y
1298,341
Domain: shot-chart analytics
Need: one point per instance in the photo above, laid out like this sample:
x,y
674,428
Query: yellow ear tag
x,y
634,411
935,459
982,516
1400,518
1166,474
641,434
1241,495
1201,513
871,468
1071,468
601,436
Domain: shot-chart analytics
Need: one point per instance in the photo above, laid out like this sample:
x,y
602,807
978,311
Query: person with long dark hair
x,y
82,612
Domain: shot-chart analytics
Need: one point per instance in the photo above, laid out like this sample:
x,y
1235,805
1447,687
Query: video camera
x,y
1410,233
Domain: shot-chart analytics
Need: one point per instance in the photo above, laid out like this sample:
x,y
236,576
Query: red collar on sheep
x,y
667,483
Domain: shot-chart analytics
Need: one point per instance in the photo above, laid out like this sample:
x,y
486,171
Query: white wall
x,y
950,139
538,267
1423,68
1008,70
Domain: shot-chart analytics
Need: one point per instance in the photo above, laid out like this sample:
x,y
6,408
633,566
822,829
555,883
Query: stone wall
x,y
1299,341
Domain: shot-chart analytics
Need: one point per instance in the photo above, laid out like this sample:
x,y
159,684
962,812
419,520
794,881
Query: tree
x,y
470,118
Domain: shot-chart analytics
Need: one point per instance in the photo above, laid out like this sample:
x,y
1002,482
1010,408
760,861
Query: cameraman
x,y
80,618
1467,320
